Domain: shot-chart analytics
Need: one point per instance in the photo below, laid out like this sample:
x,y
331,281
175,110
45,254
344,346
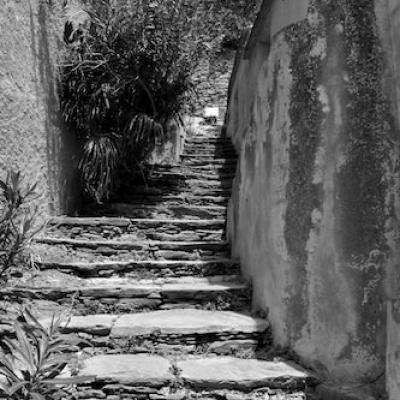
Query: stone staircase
x,y
159,310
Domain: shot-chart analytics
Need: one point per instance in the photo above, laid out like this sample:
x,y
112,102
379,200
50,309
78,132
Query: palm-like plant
x,y
128,73
31,363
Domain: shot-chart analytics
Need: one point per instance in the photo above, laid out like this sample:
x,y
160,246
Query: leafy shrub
x,y
31,363
125,77
17,221
128,72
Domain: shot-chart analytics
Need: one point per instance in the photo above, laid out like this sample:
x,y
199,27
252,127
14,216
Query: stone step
x,y
161,211
182,183
70,250
170,191
207,166
117,295
154,377
206,160
231,373
194,151
146,246
142,269
125,229
207,157
175,200
198,148
221,143
208,140
179,174
187,169
186,330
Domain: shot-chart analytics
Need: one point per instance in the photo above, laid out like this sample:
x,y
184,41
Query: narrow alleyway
x,y
160,310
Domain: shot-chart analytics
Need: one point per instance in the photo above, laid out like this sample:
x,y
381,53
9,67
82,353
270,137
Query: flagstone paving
x,y
159,309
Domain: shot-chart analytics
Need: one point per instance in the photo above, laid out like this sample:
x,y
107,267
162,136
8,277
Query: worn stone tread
x,y
180,211
214,373
139,370
125,222
187,322
129,288
166,322
242,374
137,245
115,267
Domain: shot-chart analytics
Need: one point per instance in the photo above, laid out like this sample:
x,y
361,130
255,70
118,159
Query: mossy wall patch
x,y
303,196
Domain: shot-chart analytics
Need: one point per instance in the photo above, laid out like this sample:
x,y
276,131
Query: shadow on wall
x,y
61,146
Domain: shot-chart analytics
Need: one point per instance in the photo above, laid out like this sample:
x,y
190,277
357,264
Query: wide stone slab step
x,y
184,199
87,251
185,329
139,370
125,229
84,250
243,374
121,374
209,152
169,183
143,268
212,170
150,245
208,157
161,191
209,161
172,211
181,174
116,295
208,140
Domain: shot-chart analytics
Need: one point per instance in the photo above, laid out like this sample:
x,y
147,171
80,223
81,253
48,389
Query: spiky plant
x,y
127,72
18,222
31,363
99,165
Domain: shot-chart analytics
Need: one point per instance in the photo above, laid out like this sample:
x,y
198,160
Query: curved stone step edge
x,y
216,373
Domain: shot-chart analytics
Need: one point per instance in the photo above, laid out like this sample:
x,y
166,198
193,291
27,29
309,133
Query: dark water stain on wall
x,y
303,196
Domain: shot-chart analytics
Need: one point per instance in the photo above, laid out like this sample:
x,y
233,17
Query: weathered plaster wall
x,y
313,213
388,16
30,130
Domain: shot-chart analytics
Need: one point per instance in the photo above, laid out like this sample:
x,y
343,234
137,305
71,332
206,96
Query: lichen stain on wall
x,y
311,201
30,131
261,198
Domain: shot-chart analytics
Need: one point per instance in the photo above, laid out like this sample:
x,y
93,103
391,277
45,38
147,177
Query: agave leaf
x,y
26,349
4,388
9,372
32,320
16,387
19,352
